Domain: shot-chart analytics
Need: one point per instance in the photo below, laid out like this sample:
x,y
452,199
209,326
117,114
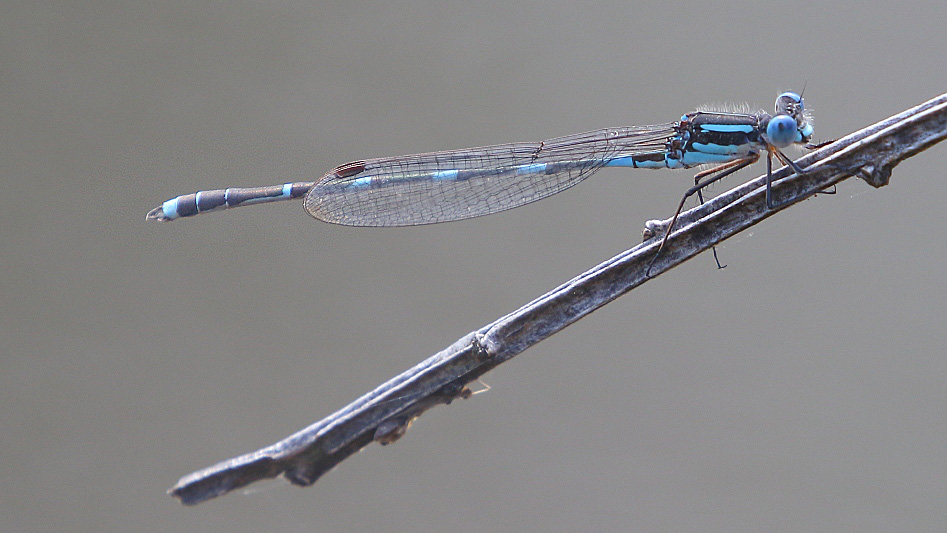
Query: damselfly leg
x,y
716,174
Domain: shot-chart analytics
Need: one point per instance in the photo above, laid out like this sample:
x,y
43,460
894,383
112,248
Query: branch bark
x,y
385,413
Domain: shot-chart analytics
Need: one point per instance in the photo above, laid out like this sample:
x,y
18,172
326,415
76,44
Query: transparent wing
x,y
442,186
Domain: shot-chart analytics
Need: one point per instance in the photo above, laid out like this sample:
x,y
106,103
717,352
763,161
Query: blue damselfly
x,y
457,184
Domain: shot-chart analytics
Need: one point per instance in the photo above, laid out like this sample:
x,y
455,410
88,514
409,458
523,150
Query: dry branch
x,y
385,413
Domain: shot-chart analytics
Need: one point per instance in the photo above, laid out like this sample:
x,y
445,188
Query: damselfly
x,y
436,187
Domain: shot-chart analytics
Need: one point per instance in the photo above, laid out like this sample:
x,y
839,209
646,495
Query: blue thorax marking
x,y
718,149
728,128
692,159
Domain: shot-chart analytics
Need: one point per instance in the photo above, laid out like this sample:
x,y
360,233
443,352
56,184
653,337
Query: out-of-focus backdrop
x,y
801,388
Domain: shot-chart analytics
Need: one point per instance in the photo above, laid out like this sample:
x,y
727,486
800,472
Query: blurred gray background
x,y
802,388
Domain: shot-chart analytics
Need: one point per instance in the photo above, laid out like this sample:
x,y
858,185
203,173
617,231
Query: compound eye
x,y
781,131
789,103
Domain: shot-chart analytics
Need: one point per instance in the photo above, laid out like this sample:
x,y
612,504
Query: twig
x,y
385,413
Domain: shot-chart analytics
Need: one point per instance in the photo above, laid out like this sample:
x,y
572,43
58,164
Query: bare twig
x,y
385,413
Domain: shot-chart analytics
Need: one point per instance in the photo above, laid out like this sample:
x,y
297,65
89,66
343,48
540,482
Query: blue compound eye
x,y
781,131
789,103
791,97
